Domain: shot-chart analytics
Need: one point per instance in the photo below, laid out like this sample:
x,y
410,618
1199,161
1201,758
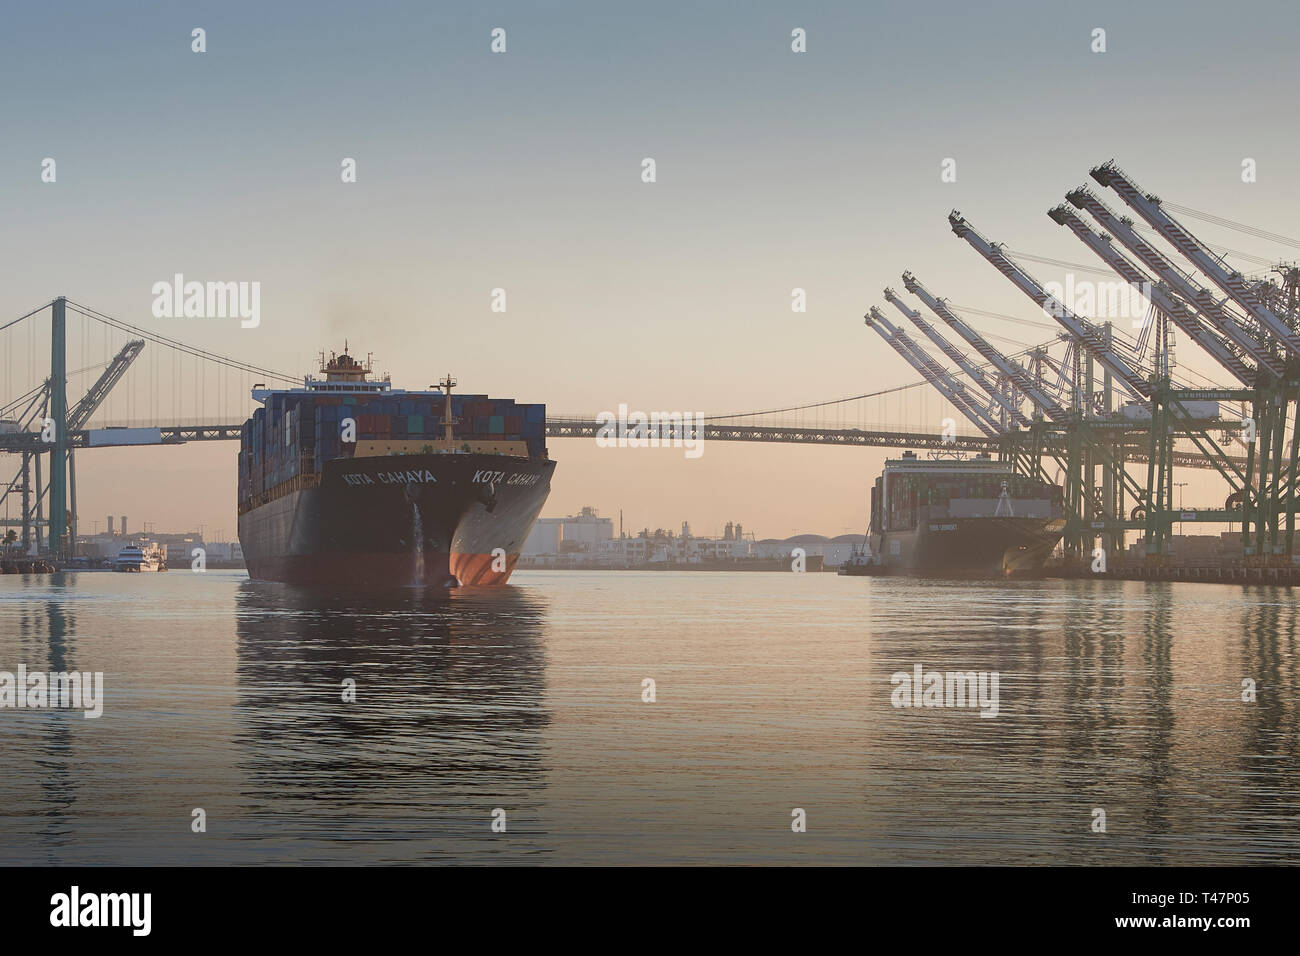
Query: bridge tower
x,y
59,414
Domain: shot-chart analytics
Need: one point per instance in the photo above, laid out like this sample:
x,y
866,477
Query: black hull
x,y
399,521
863,570
968,547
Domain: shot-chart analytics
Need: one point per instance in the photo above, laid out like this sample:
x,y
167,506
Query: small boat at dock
x,y
144,556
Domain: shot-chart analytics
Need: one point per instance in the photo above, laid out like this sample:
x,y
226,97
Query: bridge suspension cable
x,y
825,404
39,308
181,346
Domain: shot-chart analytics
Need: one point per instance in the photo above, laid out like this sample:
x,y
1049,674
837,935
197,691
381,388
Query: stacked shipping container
x,y
296,433
908,492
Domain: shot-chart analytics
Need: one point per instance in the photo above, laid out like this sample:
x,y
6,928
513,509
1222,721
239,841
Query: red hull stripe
x,y
477,569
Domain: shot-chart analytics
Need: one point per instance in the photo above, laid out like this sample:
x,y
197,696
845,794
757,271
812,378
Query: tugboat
x,y
862,562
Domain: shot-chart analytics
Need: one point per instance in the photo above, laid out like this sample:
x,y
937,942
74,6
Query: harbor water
x,y
663,718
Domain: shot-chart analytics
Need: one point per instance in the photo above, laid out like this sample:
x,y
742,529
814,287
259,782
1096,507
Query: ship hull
x,y
396,522
969,547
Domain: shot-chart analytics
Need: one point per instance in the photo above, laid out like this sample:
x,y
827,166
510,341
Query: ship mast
x,y
447,384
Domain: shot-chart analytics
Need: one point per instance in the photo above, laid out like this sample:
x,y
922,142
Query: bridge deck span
x,y
587,428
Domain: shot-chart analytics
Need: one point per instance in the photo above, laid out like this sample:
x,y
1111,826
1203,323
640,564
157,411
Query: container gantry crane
x,y
1233,332
77,418
1163,300
1167,401
1003,396
1015,372
1090,507
1233,283
1276,403
932,372
1093,443
1095,340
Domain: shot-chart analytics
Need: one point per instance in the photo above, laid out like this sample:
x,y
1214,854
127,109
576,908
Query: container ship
x,y
970,517
348,482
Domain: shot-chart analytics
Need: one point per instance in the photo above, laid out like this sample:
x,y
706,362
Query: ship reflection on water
x,y
348,729
413,717
1130,701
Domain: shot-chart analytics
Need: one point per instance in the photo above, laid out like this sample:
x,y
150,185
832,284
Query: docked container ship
x,y
970,517
349,482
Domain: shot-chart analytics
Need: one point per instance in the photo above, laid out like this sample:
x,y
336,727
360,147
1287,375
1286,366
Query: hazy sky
x,y
522,171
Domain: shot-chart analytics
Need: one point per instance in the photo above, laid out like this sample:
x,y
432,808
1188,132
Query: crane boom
x,y
1181,283
1233,283
931,371
1015,372
960,359
1080,328
95,395
1183,317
